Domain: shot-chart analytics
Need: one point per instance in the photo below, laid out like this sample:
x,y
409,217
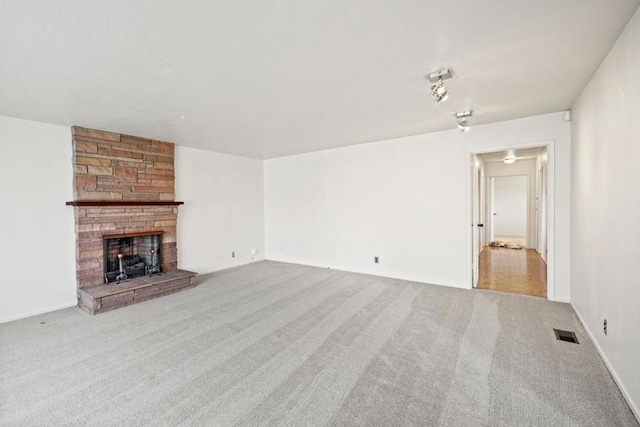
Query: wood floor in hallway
x,y
517,271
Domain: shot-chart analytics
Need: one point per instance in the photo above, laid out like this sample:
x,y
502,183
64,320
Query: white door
x,y
475,219
483,210
509,206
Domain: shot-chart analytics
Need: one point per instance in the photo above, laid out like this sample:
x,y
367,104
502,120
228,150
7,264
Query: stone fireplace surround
x,y
123,185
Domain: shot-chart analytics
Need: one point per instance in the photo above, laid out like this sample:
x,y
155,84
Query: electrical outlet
x,y
376,260
233,254
604,326
254,251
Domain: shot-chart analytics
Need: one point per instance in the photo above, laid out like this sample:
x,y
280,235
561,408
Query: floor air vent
x,y
567,336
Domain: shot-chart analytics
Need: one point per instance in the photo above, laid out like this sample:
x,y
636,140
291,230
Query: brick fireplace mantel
x,y
105,203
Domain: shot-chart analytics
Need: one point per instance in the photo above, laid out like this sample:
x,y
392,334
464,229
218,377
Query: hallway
x,y
514,271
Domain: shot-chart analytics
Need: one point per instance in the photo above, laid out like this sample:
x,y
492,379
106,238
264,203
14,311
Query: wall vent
x,y
567,336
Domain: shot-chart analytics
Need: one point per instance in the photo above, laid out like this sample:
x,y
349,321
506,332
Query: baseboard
x,y
369,273
37,312
623,390
202,276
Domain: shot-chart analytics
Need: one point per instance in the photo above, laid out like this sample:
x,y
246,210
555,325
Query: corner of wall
x,y
632,405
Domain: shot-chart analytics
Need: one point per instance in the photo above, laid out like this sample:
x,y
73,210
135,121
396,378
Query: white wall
x,y
605,262
404,200
519,167
37,254
223,210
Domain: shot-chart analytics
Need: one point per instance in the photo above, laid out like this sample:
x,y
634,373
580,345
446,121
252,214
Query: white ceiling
x,y
276,77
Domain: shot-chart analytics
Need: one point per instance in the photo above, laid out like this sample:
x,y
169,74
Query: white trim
x,y
200,275
368,273
37,312
550,145
623,390
551,215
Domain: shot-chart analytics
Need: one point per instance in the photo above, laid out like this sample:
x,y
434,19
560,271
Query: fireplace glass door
x,y
129,256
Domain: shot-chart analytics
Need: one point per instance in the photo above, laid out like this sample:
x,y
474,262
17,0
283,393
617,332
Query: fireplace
x,y
126,220
131,255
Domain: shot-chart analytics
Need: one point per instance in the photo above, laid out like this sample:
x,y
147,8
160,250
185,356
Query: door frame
x,y
550,211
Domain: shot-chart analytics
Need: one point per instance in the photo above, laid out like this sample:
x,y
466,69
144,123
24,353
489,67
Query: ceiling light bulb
x,y
510,159
463,120
439,92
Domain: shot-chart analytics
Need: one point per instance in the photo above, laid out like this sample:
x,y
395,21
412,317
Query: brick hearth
x,y
122,185
101,298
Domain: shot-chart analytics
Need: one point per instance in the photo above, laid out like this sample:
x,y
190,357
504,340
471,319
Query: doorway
x,y
509,248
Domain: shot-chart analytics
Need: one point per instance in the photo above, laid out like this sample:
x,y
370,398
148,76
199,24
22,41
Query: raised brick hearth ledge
x,y
97,299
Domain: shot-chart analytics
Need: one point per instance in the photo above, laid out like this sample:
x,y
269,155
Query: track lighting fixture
x,y
463,120
439,92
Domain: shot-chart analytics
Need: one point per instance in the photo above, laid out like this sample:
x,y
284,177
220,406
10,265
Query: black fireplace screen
x,y
126,257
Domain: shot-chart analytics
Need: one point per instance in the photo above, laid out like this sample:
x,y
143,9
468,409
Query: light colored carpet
x,y
282,344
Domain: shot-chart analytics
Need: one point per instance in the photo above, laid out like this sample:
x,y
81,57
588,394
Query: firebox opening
x,y
133,255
